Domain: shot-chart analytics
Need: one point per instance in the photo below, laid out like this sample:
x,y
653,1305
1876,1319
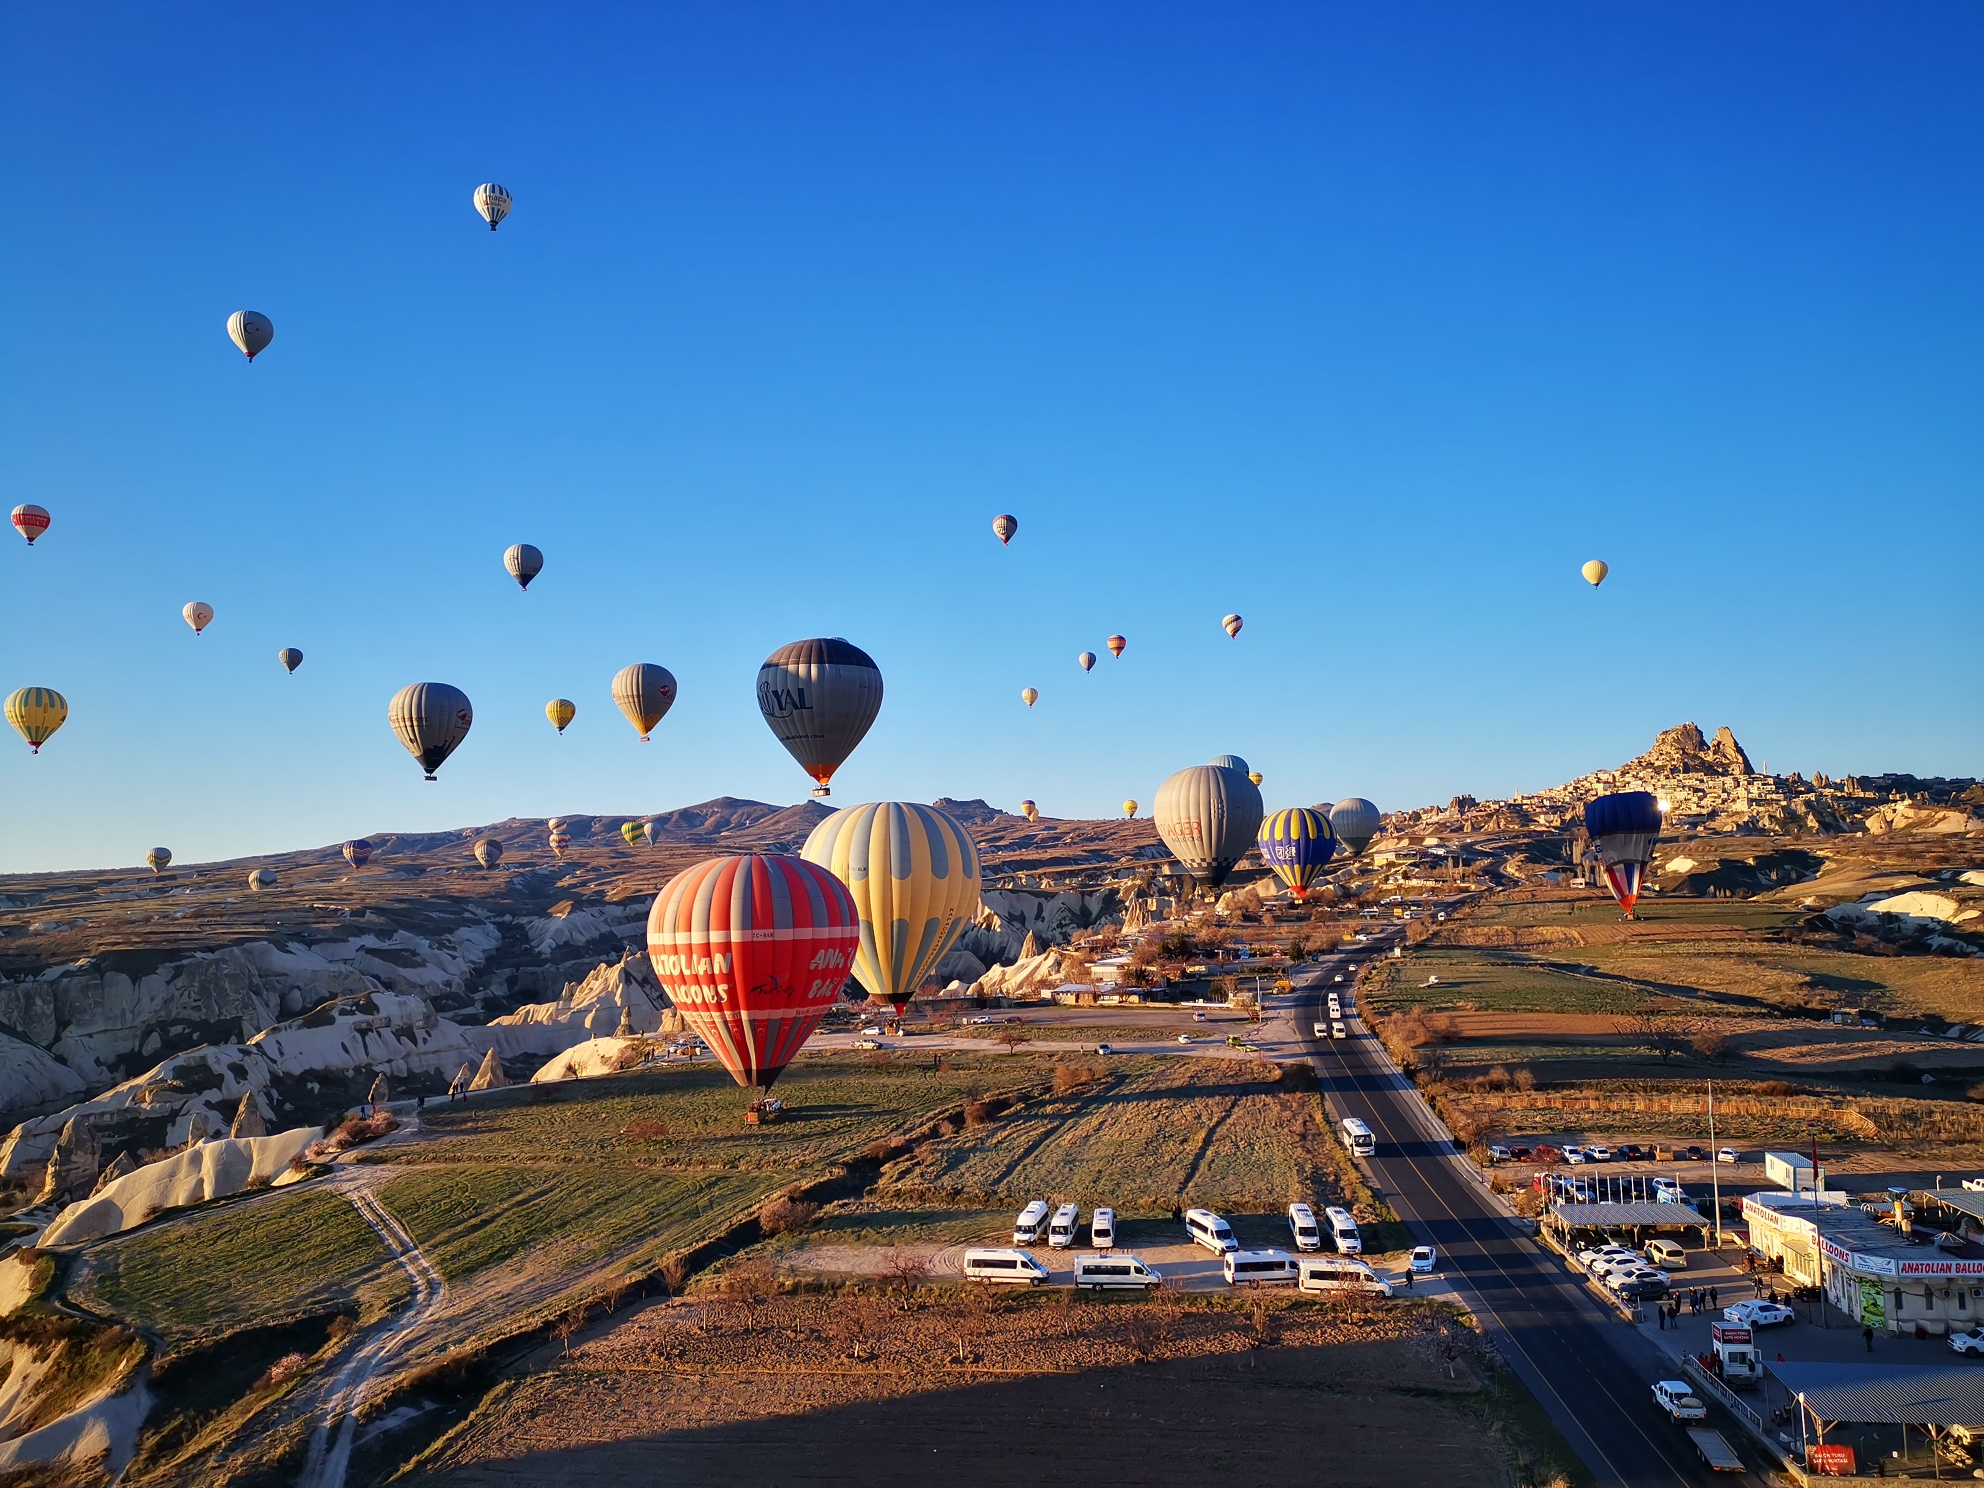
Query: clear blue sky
x,y
1370,323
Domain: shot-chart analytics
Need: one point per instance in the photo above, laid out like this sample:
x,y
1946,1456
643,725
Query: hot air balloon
x,y
1005,526
36,713
1030,811
260,880
1297,844
1207,815
819,697
1231,762
645,692
1595,571
252,331
1086,660
651,833
291,659
31,520
493,202
1116,645
1029,696
1256,776
158,859
1231,624
561,711
913,874
198,614
631,831
559,839
488,851
431,719
358,852
1356,821
1623,828
752,950
1129,808
523,563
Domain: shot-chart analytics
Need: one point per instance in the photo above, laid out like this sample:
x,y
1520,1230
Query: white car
x,y
1599,1154
1625,1276
1423,1259
1674,1397
1758,1314
1184,1038
1574,1155
1968,1343
872,1028
867,1044
1104,1049
1727,1154
1498,1154
978,1022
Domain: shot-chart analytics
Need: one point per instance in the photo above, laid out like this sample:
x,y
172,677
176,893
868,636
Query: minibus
x,y
1032,1220
1260,1268
1013,1267
1343,1230
1208,1229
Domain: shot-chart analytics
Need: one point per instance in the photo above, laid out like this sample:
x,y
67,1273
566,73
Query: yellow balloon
x,y
1129,808
35,713
1256,776
1029,696
1595,572
561,711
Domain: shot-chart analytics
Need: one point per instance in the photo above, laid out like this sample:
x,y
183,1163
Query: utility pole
x,y
1714,1168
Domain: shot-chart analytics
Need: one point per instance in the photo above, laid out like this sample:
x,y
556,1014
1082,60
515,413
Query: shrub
x,y
288,1367
1069,1077
785,1213
674,1273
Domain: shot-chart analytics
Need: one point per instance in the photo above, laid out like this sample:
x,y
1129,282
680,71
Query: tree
x,y
1661,1036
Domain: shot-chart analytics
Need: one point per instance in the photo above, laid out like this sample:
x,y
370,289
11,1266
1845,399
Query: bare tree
x,y
1661,1036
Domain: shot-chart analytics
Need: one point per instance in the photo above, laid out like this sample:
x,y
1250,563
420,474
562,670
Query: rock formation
x,y
123,1163
248,1120
610,997
490,1076
210,1170
73,1166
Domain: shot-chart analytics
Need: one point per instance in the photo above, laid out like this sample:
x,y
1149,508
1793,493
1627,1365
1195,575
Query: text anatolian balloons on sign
x,y
819,697
431,719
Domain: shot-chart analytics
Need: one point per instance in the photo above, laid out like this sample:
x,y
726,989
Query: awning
x,y
1908,1395
1615,1216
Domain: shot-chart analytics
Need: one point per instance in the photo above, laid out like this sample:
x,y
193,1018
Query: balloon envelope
x,y
523,563
431,719
1595,571
488,851
358,852
1356,821
1230,762
644,692
1297,844
493,202
1207,815
752,950
1231,624
1005,526
913,874
559,839
1029,696
198,614
561,711
1256,776
1623,828
30,520
631,832
819,697
158,859
261,879
1086,660
1116,645
36,713
1129,808
1030,811
250,330
290,657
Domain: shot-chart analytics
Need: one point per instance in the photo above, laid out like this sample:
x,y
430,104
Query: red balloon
x,y
753,950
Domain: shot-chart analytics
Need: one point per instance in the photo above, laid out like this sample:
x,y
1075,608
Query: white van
x,y
1343,1230
1102,1229
1032,1220
1667,1255
1260,1268
1337,1029
1100,1271
1013,1267
1208,1229
1335,1274
1061,1230
1302,1222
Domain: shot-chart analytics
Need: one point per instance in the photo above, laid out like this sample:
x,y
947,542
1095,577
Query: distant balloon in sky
x,y
1116,645
30,521
1129,808
291,659
644,692
36,713
559,839
523,562
431,720
493,202
1086,660
1356,822
631,832
1256,776
1623,828
1595,572
158,859
819,698
261,880
1297,844
488,851
1207,815
1231,624
1030,811
1005,526
1231,762
650,833
358,851
199,615
1029,695
252,331
561,711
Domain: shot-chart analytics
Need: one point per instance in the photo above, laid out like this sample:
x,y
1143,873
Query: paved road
x,y
1589,1372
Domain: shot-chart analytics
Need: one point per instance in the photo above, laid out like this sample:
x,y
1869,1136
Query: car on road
x,y
1184,1038
1016,1020
1727,1155
867,1043
1339,976
871,1030
1337,1029
1674,1397
1599,1154
978,1021
1970,1342
1423,1260
1105,1049
1758,1314
1198,1017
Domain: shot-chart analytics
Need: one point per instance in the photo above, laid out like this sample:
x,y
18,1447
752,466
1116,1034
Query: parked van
x,y
1260,1268
1208,1229
1032,1221
1302,1222
1336,1274
1343,1230
1014,1267
1061,1230
1102,1229
1100,1271
1667,1255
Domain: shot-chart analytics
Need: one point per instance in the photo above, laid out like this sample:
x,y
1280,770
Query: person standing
x,y
1867,1337
1712,1304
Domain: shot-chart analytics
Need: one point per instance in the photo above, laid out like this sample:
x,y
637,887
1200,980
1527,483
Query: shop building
x,y
1876,1274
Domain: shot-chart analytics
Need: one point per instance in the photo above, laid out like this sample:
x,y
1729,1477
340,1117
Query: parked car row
x,y
1112,1270
1578,1154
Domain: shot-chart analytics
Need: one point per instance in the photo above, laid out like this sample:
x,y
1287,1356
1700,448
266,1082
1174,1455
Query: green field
x,y
1501,981
1742,914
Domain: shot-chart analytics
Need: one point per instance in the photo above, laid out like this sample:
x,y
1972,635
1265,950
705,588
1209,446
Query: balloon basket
x,y
821,790
766,1112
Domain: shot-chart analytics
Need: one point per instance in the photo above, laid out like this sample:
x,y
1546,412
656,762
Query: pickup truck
x,y
1715,1450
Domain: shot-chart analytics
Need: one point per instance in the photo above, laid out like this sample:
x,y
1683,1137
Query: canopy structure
x,y
1626,1216
1886,1395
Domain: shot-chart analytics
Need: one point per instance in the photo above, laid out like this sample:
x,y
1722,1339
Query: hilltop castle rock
x,y
1683,751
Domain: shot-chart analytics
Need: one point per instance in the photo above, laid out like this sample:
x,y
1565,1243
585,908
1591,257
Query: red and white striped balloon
x,y
753,950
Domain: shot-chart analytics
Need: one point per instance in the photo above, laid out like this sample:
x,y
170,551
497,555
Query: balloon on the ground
x,y
644,692
158,859
1129,808
431,720
1595,571
198,614
1231,624
1207,815
561,711
493,202
30,521
819,697
291,659
1356,821
523,563
631,832
913,873
1086,660
488,851
1005,526
252,331
1030,811
1116,644
1297,844
260,880
752,950
1029,695
36,713
358,851
1623,828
